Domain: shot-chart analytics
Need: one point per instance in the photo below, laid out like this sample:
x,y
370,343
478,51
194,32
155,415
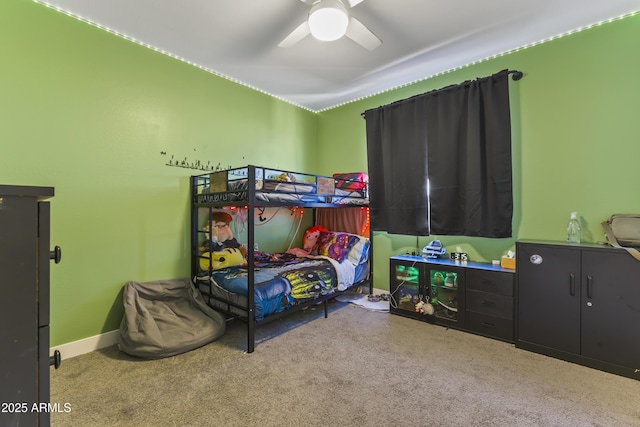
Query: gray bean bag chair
x,y
165,318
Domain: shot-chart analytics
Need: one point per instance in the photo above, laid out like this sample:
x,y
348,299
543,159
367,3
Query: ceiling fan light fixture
x,y
328,20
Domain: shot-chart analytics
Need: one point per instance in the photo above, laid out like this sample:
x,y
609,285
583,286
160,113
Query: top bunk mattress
x,y
276,186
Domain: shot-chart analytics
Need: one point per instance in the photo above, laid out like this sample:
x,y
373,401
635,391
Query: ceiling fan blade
x,y
353,3
296,35
360,34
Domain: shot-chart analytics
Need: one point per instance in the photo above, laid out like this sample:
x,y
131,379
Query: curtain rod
x,y
515,75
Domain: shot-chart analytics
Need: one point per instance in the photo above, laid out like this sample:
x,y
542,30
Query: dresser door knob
x,y
56,359
56,254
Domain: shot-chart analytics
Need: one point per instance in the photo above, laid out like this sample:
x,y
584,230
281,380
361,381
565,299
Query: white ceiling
x,y
238,39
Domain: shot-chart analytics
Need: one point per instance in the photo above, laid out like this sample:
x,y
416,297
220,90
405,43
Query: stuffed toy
x,y
286,177
228,257
221,237
424,308
312,238
220,246
310,242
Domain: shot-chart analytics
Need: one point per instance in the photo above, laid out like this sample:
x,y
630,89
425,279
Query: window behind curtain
x,y
457,140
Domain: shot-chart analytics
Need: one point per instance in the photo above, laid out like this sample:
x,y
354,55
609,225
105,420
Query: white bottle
x,y
573,229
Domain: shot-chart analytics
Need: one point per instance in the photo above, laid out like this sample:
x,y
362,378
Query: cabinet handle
x,y
56,254
487,325
488,303
589,287
572,285
56,359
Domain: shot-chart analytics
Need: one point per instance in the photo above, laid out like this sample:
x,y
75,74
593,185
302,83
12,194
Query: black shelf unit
x,y
470,296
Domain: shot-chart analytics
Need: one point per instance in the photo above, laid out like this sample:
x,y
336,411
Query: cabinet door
x,y
406,287
446,292
611,307
549,296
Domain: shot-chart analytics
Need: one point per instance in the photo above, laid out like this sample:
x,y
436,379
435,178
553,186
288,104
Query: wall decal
x,y
191,164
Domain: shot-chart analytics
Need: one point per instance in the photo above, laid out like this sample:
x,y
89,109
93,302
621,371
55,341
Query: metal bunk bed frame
x,y
252,204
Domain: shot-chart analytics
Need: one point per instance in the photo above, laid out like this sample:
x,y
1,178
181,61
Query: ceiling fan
x,y
329,20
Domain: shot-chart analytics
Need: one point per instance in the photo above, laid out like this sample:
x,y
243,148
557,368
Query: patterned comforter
x,y
276,288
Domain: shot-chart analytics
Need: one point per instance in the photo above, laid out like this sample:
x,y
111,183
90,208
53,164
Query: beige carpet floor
x,y
356,368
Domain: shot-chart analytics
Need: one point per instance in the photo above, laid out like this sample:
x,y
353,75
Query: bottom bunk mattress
x,y
276,288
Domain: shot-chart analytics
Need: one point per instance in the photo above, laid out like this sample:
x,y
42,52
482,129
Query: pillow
x,y
353,181
359,253
336,245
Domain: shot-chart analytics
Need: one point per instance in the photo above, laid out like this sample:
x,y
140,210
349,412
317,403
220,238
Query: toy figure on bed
x,y
310,242
221,237
220,249
320,241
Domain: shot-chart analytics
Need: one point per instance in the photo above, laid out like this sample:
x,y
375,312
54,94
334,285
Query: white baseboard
x,y
86,345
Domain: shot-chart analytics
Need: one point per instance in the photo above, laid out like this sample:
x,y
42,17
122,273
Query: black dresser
x,y
25,256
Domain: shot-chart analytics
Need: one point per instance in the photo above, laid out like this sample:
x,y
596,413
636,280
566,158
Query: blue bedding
x,y
278,288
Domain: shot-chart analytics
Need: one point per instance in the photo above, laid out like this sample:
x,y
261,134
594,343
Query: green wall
x,y
90,114
576,130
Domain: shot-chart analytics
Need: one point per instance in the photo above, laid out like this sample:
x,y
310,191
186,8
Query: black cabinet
x,y
24,304
471,296
579,303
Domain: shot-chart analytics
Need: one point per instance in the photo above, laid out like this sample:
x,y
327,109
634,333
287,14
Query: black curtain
x,y
397,167
457,140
